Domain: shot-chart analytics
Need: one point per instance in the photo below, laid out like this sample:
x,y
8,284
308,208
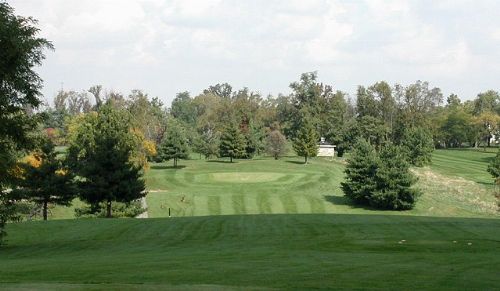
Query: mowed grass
x,y
287,186
254,252
470,164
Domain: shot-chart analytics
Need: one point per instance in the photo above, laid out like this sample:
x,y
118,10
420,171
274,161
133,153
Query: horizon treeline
x,y
379,113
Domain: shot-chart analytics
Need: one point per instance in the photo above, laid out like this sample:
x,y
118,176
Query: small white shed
x,y
325,149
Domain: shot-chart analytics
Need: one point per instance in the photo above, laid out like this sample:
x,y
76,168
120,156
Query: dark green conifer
x,y
232,142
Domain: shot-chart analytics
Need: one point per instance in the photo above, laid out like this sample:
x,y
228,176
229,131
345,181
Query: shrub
x,y
394,181
380,180
118,209
360,172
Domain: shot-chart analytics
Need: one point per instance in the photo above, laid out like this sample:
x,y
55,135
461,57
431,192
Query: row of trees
x,y
98,168
111,137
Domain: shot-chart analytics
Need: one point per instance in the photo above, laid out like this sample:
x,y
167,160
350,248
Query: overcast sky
x,y
164,47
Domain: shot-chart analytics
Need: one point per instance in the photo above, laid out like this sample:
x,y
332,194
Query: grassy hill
x,y
470,164
456,184
319,241
266,186
254,252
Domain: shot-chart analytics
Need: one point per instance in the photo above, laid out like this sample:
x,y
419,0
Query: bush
x,y
394,181
380,180
118,209
360,172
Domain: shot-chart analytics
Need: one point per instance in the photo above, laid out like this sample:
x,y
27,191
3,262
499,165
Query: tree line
x,y
110,137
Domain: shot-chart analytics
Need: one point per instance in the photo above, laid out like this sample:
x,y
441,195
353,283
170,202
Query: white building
x,y
326,149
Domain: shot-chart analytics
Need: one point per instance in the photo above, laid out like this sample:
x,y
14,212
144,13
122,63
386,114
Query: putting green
x,y
246,177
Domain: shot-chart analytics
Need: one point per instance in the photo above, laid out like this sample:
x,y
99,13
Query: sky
x,y
166,47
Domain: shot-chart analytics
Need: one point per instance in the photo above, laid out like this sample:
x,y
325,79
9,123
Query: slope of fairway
x,y
266,186
470,164
275,251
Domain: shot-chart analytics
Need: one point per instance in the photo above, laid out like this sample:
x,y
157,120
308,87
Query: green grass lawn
x,y
470,164
451,240
456,185
255,252
286,186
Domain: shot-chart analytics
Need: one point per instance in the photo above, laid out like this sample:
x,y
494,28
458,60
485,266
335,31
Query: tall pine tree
x,y
394,181
360,172
49,183
174,145
232,142
418,145
306,142
106,171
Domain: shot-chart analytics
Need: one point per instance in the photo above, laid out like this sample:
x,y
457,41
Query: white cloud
x,y
193,43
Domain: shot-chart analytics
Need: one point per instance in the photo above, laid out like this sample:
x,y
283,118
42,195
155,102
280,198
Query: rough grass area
x,y
453,196
256,252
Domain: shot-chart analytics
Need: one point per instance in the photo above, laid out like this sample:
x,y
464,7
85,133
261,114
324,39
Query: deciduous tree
x,y
21,50
50,182
276,144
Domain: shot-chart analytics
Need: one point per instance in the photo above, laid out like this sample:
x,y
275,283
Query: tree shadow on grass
x,y
165,167
487,159
343,200
486,183
296,162
221,161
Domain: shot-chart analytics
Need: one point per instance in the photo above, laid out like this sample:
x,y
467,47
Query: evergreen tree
x,y
276,144
360,172
105,167
48,183
306,142
494,168
20,51
174,145
394,181
418,146
232,142
5,213
208,143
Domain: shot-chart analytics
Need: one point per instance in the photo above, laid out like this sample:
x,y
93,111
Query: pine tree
x,y
394,181
232,142
494,168
174,146
48,183
306,142
106,171
418,146
5,212
360,172
276,144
